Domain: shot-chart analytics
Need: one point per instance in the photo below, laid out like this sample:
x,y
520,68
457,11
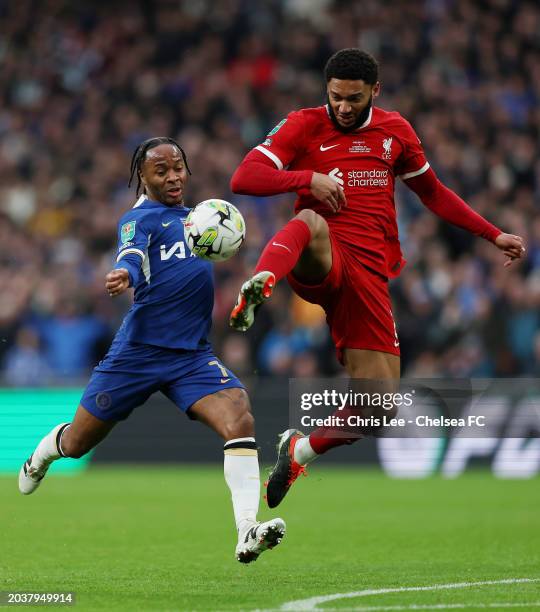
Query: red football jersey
x,y
365,163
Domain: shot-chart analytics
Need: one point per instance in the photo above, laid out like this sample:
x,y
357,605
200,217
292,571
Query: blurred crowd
x,y
82,83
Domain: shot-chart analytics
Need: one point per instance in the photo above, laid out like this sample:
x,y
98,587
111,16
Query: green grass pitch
x,y
140,538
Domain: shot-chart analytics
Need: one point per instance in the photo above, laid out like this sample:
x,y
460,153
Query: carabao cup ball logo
x,y
214,230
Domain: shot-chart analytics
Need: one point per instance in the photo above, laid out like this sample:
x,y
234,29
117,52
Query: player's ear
x,y
376,89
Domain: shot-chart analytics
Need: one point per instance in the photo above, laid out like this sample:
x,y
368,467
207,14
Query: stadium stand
x,y
81,83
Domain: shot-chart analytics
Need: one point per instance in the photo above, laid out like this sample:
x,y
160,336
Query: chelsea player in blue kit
x,y
162,345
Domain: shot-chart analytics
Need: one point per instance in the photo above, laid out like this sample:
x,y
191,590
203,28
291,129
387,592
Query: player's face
x,y
164,175
349,99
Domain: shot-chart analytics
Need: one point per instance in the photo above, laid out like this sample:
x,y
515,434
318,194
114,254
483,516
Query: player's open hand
x,y
328,191
117,281
512,246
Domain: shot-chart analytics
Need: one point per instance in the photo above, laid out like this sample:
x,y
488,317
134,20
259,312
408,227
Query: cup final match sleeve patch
x,y
127,231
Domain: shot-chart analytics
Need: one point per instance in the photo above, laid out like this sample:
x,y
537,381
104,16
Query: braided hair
x,y
139,155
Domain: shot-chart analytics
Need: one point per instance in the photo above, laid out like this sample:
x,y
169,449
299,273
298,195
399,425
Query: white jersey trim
x,y
141,199
368,120
409,175
130,250
146,262
271,155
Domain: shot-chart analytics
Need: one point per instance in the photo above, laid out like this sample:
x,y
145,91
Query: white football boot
x,y
35,467
257,538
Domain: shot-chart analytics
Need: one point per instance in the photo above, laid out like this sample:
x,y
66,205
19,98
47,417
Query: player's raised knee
x,y
237,421
317,224
239,427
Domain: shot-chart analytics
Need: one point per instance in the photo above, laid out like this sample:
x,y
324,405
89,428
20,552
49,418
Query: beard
x,y
362,117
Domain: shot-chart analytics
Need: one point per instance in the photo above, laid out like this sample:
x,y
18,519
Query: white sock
x,y
241,469
303,453
49,449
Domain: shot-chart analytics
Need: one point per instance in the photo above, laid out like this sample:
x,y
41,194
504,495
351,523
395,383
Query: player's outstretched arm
x,y
450,207
257,175
117,281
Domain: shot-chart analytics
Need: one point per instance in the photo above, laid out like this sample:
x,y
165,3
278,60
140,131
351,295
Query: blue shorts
x,y
130,373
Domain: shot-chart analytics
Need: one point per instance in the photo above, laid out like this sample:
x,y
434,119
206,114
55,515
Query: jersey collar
x,y
367,121
145,202
364,125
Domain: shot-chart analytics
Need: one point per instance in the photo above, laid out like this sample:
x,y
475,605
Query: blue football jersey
x,y
174,290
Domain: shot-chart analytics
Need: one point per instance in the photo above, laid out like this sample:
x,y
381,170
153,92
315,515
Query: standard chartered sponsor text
x,y
367,178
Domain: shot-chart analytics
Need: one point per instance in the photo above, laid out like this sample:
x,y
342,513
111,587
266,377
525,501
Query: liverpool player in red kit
x,y
342,159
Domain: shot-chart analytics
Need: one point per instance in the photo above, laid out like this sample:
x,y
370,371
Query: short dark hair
x,y
352,65
139,156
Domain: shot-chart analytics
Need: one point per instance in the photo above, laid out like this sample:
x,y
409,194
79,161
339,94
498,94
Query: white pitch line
x,y
313,602
531,604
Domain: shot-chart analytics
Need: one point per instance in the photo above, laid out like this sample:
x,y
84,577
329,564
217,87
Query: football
x,y
214,230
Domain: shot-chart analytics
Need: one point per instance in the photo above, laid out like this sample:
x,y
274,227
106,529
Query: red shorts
x,y
357,305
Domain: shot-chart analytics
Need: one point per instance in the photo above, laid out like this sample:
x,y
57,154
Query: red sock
x,y
284,249
322,443
325,438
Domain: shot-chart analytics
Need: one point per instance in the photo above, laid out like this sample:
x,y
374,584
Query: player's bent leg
x,y
73,439
315,262
228,413
85,432
361,363
295,450
371,372
302,246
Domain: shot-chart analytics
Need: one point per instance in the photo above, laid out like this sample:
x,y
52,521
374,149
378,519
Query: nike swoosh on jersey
x,y
166,224
224,380
323,148
281,245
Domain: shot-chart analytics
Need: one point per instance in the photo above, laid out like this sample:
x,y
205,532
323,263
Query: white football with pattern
x,y
214,230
